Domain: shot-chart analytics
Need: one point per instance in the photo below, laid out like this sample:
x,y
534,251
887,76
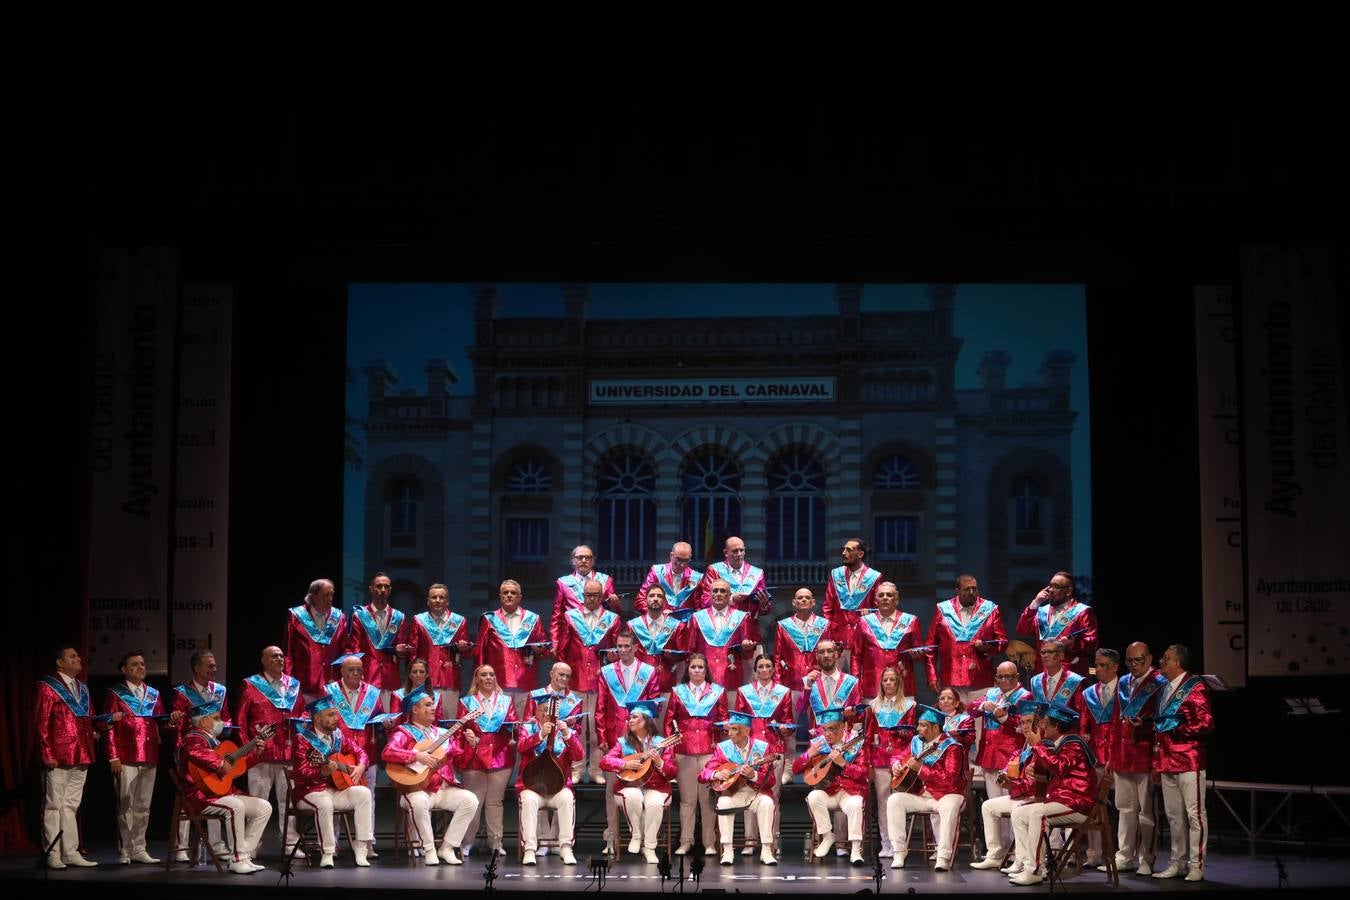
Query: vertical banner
x,y
202,496
1298,484
1220,483
127,561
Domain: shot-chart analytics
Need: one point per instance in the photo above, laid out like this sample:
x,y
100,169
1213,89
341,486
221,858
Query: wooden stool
x,y
1098,821
197,839
617,814
813,837
307,822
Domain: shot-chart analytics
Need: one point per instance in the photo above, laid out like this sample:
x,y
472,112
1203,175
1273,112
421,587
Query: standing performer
x,y
201,691
569,591
846,791
441,637
622,683
1057,685
828,686
1055,614
938,761
1001,738
380,634
1132,763
851,590
441,790
886,637
891,721
748,591
769,705
695,705
644,802
133,754
245,817
539,736
316,634
271,698
488,771
508,639
582,638
418,683
966,634
662,640
676,578
358,703
794,649
1018,785
65,733
314,766
722,634
1183,721
742,755
1072,792
1101,727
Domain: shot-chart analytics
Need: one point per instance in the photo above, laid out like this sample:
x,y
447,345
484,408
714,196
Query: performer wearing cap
x,y
643,805
487,771
504,639
538,735
847,792
1072,792
1101,726
358,705
892,719
133,753
1018,785
695,705
271,698
622,682
966,634
316,634
828,686
569,592
722,634
581,641
770,707
312,760
940,761
794,646
417,683
201,691
441,790
197,747
1140,690
1184,720
662,639
1001,738
1055,614
680,582
755,793
65,732
570,705
851,589
441,638
381,634
885,637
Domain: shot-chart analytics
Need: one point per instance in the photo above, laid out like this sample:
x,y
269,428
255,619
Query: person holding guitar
x,y
1018,786
643,767
929,777
741,770
328,772
837,767
548,748
199,759
271,698
770,706
443,752
891,722
200,690
695,704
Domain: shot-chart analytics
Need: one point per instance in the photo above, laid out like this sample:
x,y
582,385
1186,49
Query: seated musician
x,y
537,737
846,790
938,760
754,792
1019,787
441,790
643,803
197,747
313,757
1069,761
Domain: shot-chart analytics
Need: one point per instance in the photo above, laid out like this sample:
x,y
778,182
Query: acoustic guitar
x,y
342,775
727,778
414,774
218,785
821,770
640,774
908,781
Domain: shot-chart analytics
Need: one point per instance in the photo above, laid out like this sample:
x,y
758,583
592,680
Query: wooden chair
x,y
197,839
813,837
307,822
546,816
927,847
1098,821
616,815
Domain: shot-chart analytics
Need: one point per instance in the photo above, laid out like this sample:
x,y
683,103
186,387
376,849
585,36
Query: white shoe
x,y
464,851
124,860
143,857
710,850
431,859
1027,878
599,779
542,852
728,856
326,861
1169,872
1014,869
942,866
528,858
360,855
370,851
451,857
650,855
766,856
856,857
992,861
501,851
244,867
823,848
1094,862
787,778
565,854
221,851
897,862
635,845
1144,869
683,849
748,850
886,853
1195,875
54,861
181,856
840,851
79,861
255,866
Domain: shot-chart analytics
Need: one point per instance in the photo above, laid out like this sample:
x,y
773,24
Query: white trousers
x,y
644,808
995,791
589,739
759,805
564,803
463,807
1184,802
489,788
997,815
263,780
62,791
255,814
822,804
695,796
355,799
135,786
881,782
1134,802
901,806
752,829
1028,822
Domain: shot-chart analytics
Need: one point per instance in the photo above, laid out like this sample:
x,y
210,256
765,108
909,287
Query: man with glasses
x,y
570,591
1055,614
1132,760
677,579
1002,737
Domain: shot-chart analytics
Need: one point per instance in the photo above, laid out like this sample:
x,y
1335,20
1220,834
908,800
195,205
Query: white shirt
x,y
629,673
1171,689
137,690
71,684
1107,690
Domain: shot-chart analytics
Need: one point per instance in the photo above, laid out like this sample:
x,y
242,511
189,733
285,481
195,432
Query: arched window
x,y
794,513
404,498
895,472
528,476
711,480
1027,500
626,508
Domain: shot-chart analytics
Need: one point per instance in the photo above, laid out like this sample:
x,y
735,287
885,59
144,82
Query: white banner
x,y
709,390
202,498
1297,478
1220,483
128,552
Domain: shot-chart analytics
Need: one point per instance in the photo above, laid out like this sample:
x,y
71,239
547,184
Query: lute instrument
x,y
413,775
727,778
544,773
218,785
644,757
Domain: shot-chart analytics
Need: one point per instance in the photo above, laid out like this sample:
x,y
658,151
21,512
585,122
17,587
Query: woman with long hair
x,y
643,803
488,772
695,704
891,722
959,723
415,684
772,721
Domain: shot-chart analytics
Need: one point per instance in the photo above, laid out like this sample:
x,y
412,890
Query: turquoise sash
x,y
559,745
759,707
283,701
1169,716
1053,628
699,708
715,638
966,633
652,643
917,743
1101,714
898,633
491,720
848,599
380,640
577,585
1132,702
358,718
674,597
734,580
216,701
733,753
624,696
330,625
1063,694
591,636
324,748
846,683
142,708
890,716
823,746
418,735
570,702
441,633
521,636
806,638
78,705
995,696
